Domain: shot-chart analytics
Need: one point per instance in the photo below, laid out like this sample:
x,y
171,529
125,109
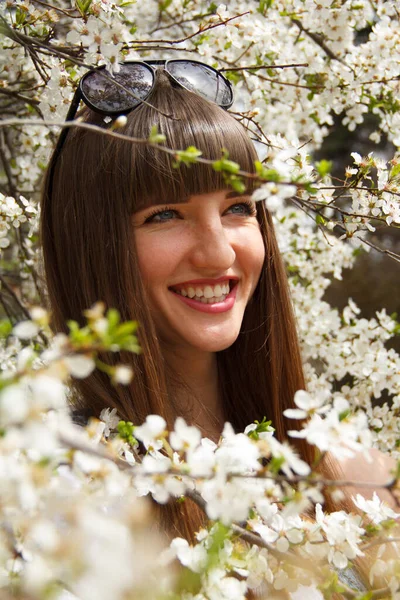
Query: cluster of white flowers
x,y
12,214
74,520
74,524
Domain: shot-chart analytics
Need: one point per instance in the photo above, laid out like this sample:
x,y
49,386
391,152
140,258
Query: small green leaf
x,y
125,431
343,415
323,167
319,219
164,5
83,6
155,137
224,164
112,318
263,6
235,182
394,171
275,463
187,157
5,328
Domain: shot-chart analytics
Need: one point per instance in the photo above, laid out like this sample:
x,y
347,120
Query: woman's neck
x,y
199,399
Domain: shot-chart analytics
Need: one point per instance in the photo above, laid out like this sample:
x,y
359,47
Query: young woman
x,y
196,264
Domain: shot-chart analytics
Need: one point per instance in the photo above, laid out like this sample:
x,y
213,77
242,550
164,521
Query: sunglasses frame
x,y
80,94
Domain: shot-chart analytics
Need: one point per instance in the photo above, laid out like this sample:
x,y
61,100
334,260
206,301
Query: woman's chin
x,y
217,344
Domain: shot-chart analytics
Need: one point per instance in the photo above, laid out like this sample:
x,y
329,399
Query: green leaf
x,y
5,328
164,5
319,219
323,167
83,6
155,137
263,6
212,8
187,157
112,318
226,165
235,182
266,173
125,431
343,415
275,463
394,171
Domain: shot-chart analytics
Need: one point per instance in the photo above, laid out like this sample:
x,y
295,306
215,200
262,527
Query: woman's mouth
x,y
216,298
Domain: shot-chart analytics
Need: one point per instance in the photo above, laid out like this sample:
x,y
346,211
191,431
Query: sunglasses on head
x,y
120,93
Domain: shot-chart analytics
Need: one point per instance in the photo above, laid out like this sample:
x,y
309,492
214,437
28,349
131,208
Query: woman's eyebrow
x,y
234,194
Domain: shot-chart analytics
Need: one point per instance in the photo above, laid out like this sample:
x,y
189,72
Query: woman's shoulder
x,y
375,469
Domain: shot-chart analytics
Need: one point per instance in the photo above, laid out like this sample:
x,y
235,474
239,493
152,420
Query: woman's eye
x,y
161,216
243,208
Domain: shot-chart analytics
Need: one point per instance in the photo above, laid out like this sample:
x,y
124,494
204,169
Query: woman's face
x,y
200,262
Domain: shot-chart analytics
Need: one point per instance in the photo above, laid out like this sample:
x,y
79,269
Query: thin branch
x,y
301,204
65,12
19,96
127,138
290,84
10,179
201,30
378,542
258,67
318,39
181,22
15,297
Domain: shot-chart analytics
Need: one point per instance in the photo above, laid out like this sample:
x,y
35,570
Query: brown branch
x,y
10,179
65,12
318,39
15,297
19,96
181,22
192,35
378,542
29,42
301,204
289,83
258,67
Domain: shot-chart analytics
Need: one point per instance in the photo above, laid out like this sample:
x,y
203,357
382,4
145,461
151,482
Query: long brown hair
x,y
89,255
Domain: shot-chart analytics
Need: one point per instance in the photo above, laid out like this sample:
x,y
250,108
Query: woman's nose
x,y
212,248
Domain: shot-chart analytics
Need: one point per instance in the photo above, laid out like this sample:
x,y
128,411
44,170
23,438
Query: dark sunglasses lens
x,y
122,91
202,80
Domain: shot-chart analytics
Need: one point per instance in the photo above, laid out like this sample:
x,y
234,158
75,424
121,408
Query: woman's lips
x,y
217,307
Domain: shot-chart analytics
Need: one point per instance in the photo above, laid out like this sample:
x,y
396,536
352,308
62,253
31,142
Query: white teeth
x,y
203,299
208,292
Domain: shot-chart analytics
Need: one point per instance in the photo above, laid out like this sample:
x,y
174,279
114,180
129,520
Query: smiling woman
x,y
194,263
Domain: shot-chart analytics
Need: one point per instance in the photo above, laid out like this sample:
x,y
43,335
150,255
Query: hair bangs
x,y
186,120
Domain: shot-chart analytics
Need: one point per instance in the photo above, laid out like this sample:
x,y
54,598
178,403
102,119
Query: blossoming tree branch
x,y
74,520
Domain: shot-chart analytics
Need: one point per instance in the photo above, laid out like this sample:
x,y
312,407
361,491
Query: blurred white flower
x,y
26,330
150,431
110,418
308,405
375,509
79,365
184,437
